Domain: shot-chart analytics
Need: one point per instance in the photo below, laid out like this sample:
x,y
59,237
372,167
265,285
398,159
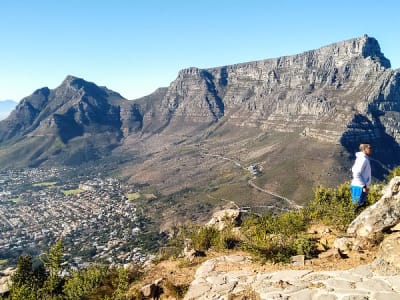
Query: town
x,y
96,218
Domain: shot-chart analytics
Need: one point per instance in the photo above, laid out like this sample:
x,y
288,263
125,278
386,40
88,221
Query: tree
x,y
52,261
26,281
84,282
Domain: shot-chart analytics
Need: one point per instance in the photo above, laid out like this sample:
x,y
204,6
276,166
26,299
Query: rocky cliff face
x,y
318,93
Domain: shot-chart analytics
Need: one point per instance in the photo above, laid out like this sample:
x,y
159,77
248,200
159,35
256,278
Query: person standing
x,y
361,176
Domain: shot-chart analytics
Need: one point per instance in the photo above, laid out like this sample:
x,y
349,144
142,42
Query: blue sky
x,y
134,47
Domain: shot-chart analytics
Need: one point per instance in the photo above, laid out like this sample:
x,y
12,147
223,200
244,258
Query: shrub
x,y
82,283
332,206
277,238
201,237
375,193
394,172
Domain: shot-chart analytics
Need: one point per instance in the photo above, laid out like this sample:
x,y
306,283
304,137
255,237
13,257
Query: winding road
x,y
291,203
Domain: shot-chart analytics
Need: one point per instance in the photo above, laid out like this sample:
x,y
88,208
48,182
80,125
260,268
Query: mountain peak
x,y
70,78
372,49
364,46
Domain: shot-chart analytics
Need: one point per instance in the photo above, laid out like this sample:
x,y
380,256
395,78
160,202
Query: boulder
x,y
389,250
152,290
367,228
223,218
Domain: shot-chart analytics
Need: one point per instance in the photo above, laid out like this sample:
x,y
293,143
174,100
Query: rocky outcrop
x,y
389,250
224,218
377,218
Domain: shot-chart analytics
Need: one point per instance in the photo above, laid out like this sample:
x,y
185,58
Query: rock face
x,y
323,93
380,216
389,250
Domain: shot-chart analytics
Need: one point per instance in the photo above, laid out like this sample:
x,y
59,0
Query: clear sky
x,y
135,46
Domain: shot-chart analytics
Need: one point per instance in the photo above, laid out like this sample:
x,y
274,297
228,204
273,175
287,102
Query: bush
x,y
332,206
393,173
201,237
82,283
374,194
277,238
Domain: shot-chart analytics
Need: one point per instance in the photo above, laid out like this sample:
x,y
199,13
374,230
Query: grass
x,y
16,200
43,184
133,196
3,261
72,192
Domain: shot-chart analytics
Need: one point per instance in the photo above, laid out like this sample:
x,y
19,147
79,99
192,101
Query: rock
x,y
152,290
396,227
190,252
298,260
148,290
343,244
367,228
389,250
223,218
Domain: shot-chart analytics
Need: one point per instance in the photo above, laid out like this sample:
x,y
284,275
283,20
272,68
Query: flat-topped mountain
x,y
298,117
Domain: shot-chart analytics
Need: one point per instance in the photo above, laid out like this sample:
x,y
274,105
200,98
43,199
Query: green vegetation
x,y
133,196
332,206
71,192
45,184
44,281
15,200
277,238
3,261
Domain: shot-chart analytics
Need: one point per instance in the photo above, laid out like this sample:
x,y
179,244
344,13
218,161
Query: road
x,y
291,203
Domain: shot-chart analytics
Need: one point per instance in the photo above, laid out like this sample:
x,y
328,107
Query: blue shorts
x,y
357,195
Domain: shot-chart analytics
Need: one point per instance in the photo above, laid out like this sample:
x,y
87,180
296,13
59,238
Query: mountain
x,y
299,118
6,106
77,121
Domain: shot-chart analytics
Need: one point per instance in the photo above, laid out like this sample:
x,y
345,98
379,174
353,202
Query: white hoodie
x,y
361,170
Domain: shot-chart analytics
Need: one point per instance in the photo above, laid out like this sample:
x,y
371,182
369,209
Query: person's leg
x,y
356,193
356,197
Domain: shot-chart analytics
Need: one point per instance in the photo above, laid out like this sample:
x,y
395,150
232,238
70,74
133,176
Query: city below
x,y
96,218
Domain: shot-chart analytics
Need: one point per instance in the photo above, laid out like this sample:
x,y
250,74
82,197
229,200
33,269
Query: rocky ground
x,y
235,275
368,281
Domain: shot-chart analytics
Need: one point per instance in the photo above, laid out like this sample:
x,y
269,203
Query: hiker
x,y
361,176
